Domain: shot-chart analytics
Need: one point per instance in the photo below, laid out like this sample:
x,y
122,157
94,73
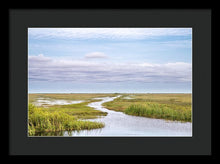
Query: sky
x,y
109,60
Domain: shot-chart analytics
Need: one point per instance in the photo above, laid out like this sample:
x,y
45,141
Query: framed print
x,y
110,82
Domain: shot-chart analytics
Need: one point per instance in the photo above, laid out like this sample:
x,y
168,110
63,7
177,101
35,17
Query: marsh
x,y
116,122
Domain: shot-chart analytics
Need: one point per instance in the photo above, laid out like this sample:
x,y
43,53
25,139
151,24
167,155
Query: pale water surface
x,y
48,101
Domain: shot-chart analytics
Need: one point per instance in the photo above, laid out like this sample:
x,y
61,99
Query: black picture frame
x,y
198,19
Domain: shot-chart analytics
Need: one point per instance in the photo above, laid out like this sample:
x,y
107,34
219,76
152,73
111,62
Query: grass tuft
x,y
40,120
162,111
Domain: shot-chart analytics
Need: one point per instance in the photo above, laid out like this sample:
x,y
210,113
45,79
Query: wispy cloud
x,y
106,33
95,55
42,68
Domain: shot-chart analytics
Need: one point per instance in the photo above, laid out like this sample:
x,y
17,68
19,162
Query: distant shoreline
x,y
108,93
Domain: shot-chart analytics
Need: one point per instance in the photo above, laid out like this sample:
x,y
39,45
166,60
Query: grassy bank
x,y
80,111
51,119
66,96
41,120
164,106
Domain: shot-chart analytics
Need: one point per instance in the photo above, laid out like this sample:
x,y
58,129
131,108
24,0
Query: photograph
x,y
109,82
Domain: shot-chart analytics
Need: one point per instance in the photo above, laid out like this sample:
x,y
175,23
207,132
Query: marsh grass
x,y
80,111
53,119
165,106
40,120
67,96
163,111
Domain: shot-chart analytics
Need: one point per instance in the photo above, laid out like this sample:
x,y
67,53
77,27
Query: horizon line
x,y
110,93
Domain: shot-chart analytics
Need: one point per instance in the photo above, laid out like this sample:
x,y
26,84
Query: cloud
x,y
42,68
39,59
96,55
106,33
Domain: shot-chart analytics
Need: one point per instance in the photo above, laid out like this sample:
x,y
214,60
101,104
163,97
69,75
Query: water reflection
x,y
91,132
58,133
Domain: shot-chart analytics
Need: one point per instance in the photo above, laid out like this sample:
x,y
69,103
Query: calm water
x,y
120,124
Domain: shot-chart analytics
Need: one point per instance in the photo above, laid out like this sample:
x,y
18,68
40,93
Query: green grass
x,y
53,119
163,111
163,106
41,120
67,96
80,111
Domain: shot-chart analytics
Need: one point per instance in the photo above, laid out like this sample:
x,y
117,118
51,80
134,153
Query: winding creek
x,y
122,125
